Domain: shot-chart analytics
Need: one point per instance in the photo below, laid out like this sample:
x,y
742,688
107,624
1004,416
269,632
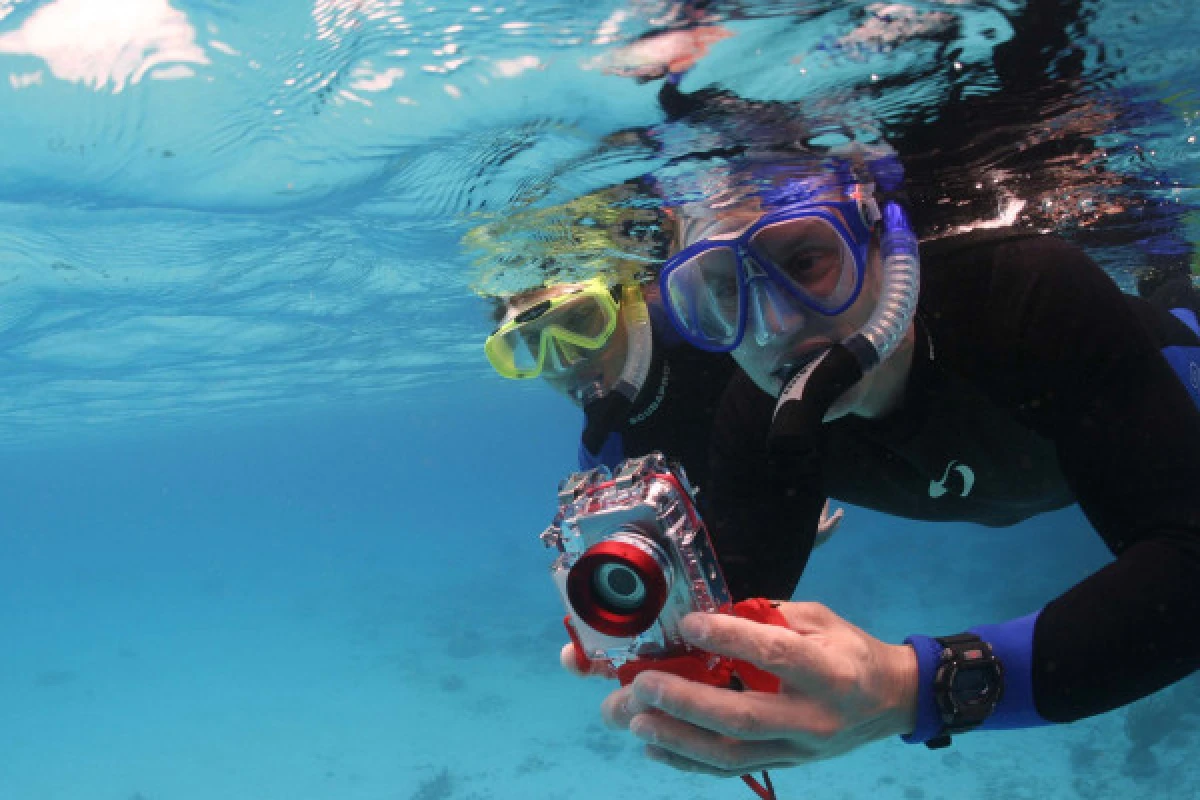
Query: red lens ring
x,y
582,593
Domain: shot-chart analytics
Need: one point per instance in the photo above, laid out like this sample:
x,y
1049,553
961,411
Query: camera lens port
x,y
620,585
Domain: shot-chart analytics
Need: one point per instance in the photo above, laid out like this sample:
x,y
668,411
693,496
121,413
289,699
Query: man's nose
x,y
772,314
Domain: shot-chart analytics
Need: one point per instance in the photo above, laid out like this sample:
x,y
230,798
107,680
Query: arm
x,y
1063,349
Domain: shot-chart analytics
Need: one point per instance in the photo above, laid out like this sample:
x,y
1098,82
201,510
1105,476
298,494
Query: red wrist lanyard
x,y
694,665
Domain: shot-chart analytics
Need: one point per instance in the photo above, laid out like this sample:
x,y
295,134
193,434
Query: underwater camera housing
x,y
633,559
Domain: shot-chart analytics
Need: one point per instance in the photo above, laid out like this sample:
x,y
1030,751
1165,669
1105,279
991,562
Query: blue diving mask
x,y
801,258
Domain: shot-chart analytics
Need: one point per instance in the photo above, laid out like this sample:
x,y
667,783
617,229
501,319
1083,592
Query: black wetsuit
x,y
674,411
1035,383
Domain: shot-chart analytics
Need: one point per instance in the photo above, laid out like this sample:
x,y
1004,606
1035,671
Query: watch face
x,y
972,686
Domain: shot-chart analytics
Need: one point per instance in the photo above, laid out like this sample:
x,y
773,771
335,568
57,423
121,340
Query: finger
x,y
808,618
829,522
569,658
837,517
676,761
685,764
746,715
792,653
710,751
620,707
566,657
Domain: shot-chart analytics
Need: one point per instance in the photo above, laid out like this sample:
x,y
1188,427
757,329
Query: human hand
x,y
842,688
828,523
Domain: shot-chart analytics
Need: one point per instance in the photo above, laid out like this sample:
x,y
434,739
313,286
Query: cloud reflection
x,y
102,43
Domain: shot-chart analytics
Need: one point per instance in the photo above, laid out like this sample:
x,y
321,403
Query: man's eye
x,y
800,263
811,262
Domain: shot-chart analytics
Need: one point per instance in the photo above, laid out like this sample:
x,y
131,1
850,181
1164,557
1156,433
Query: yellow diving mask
x,y
553,333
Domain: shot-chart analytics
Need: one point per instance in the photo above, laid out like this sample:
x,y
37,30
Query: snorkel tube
x,y
604,408
809,393
901,272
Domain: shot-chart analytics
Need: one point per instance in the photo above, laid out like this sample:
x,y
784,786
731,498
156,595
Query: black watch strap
x,y
967,685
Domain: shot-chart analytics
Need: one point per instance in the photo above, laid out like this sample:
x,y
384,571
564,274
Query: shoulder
x,y
1033,322
1009,264
1028,296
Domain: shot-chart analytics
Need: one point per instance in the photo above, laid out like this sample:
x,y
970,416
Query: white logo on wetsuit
x,y
964,473
658,398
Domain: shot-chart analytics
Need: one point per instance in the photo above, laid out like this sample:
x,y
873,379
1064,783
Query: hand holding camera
x,y
633,559
635,563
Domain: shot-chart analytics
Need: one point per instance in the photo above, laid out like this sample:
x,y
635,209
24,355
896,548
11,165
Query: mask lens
x,y
514,354
705,296
561,355
585,317
577,324
813,255
772,312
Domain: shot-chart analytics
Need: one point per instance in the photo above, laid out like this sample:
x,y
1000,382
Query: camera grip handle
x,y
696,665
759,609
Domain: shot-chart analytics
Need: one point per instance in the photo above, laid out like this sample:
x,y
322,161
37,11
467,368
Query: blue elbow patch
x,y
1185,359
1186,363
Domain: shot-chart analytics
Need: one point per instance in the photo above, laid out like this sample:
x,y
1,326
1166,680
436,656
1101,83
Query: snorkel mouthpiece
x,y
807,396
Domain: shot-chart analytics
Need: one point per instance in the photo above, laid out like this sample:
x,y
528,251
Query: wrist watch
x,y
967,685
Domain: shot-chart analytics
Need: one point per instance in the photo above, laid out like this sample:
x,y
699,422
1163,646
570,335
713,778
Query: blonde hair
x,y
618,233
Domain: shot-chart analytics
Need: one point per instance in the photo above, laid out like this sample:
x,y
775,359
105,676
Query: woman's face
x,y
570,370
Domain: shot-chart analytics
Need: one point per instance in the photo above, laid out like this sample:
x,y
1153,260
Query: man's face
x,y
781,332
781,336
569,369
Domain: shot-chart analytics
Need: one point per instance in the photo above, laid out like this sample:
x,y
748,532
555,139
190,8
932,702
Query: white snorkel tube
x,y
603,408
639,349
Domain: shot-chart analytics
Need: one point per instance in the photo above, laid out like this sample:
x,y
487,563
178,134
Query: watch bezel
x,y
960,654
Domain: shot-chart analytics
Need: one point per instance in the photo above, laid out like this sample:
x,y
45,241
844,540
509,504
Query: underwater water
x,y
268,520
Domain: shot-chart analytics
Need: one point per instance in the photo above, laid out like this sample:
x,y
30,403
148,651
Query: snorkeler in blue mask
x,y
986,377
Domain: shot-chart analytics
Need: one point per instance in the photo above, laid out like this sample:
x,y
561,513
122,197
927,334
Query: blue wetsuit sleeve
x,y
1188,317
929,722
1012,643
612,452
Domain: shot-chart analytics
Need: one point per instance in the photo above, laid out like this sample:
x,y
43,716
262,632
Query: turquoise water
x,y
268,522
